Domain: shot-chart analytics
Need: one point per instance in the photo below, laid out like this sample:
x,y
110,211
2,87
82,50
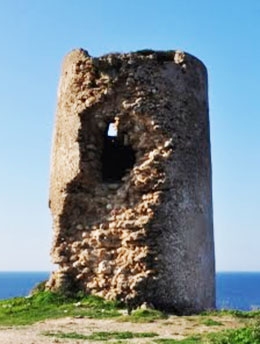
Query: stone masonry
x,y
132,210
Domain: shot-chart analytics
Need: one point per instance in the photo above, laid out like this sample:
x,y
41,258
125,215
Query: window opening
x,y
112,130
118,157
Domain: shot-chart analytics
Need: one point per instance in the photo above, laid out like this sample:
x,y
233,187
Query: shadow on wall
x,y
118,157
106,240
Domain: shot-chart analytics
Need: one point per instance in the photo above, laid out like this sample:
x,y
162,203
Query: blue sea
x,y
238,290
235,290
14,284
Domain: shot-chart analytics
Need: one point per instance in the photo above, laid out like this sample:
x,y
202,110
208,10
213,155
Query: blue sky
x,y
35,35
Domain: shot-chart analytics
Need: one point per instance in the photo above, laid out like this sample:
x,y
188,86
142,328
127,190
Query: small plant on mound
x,y
210,322
144,315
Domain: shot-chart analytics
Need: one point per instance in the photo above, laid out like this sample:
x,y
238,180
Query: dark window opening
x,y
117,157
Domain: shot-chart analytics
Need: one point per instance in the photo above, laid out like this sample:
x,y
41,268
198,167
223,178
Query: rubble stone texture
x,y
132,212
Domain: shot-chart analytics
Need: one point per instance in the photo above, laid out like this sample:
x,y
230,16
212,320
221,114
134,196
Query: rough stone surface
x,y
146,235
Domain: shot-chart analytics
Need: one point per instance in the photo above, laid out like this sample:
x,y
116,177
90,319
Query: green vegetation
x,y
48,305
235,313
210,322
245,335
190,340
249,335
102,336
143,316
68,335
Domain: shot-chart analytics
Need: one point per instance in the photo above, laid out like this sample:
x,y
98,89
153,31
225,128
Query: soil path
x,y
174,327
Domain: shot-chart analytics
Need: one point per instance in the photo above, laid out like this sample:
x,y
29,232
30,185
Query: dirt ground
x,y
174,327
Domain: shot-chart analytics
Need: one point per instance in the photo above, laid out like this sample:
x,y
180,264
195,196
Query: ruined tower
x,y
132,206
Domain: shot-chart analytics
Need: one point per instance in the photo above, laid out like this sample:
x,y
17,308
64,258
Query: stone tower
x,y
132,206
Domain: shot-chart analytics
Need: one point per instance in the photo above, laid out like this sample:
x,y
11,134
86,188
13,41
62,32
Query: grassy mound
x,y
48,305
44,305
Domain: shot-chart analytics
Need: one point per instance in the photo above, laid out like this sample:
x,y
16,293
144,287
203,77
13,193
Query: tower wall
x,y
139,229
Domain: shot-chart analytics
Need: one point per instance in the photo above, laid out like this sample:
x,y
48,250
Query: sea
x,y
234,290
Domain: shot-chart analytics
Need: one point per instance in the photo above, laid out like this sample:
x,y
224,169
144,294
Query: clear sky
x,y
35,35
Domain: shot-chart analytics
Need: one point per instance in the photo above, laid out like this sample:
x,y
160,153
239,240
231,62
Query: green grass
x,y
210,322
48,305
68,335
246,335
102,336
143,316
254,314
190,340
